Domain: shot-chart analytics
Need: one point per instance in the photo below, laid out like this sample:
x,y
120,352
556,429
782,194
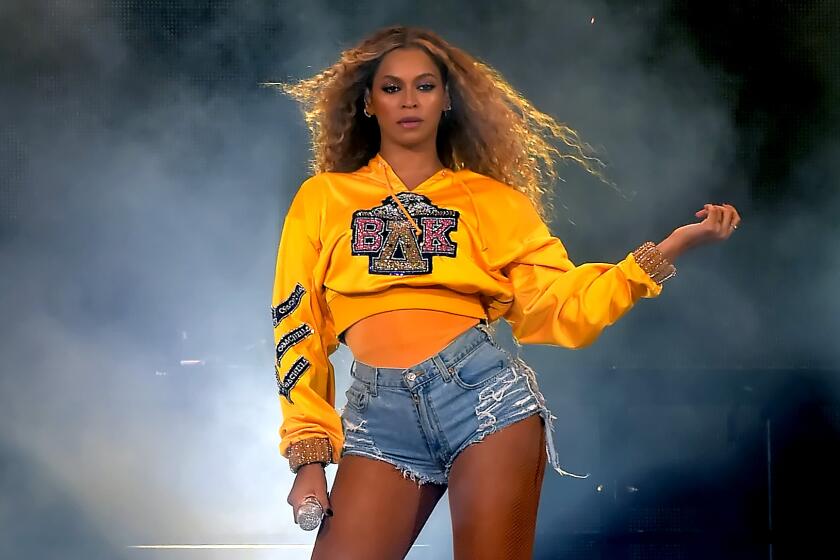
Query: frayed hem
x,y
477,439
480,437
407,472
548,418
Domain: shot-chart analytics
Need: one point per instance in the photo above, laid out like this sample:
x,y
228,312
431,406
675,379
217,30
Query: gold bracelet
x,y
654,262
311,450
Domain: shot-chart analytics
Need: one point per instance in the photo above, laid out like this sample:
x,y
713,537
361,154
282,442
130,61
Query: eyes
x,y
422,87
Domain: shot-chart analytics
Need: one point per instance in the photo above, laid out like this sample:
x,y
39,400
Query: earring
x,y
368,115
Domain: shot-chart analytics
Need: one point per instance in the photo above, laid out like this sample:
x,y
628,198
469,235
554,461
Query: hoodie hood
x,y
380,171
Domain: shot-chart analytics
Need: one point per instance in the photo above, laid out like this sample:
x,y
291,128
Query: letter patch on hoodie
x,y
286,382
391,243
285,307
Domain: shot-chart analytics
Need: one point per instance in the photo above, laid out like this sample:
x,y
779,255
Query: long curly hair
x,y
491,128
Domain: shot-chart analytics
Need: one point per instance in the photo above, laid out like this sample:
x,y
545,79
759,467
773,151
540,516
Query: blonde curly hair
x,y
491,129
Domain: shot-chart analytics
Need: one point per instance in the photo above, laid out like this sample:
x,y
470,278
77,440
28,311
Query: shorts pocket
x,y
480,366
357,395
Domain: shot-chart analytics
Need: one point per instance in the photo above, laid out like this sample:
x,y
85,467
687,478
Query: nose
x,y
409,100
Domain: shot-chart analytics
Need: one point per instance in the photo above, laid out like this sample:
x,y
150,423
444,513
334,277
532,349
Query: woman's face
x,y
407,97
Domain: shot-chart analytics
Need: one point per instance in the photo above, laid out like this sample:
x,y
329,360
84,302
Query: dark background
x,y
144,175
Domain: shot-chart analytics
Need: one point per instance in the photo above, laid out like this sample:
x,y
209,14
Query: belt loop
x,y
444,369
374,381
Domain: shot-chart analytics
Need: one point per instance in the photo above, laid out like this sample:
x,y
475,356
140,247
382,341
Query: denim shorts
x,y
421,417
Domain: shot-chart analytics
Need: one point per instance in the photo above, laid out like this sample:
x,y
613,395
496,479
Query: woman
x,y
422,224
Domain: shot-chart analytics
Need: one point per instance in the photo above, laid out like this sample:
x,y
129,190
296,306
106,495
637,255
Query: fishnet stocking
x,y
494,492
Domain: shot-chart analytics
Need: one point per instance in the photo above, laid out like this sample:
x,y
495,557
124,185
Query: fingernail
x,y
329,512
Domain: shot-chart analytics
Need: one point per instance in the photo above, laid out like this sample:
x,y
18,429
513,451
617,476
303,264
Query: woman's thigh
x,y
494,491
377,513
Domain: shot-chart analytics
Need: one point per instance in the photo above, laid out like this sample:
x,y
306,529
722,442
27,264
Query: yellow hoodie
x,y
355,244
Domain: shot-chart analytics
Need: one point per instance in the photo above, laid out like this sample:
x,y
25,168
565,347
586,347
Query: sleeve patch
x,y
291,378
285,308
290,339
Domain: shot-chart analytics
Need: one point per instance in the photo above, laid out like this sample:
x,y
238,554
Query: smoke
x,y
146,176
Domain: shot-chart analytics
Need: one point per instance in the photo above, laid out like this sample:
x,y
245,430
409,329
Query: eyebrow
x,y
423,75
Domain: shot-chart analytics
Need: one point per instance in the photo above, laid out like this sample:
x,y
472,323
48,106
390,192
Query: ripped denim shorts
x,y
420,418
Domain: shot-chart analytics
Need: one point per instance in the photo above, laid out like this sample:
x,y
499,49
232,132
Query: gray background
x,y
144,175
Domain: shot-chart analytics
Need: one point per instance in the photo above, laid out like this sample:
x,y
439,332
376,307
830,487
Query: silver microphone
x,y
310,513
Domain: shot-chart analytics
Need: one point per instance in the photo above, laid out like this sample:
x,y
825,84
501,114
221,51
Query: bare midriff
x,y
404,337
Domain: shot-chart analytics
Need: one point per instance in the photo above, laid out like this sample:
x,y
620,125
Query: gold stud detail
x,y
311,450
652,261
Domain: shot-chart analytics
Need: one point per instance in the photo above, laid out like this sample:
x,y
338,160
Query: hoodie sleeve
x,y
559,303
304,337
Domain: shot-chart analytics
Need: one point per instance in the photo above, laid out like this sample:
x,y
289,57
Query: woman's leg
x,y
377,513
494,492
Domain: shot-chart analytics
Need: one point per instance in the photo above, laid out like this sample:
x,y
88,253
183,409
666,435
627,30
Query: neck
x,y
411,161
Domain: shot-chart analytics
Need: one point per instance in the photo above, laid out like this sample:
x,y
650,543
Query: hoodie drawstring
x,y
454,179
400,204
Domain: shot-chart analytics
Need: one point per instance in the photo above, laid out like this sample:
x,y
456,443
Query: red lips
x,y
410,119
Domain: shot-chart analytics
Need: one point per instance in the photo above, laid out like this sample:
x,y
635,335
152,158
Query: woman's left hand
x,y
719,221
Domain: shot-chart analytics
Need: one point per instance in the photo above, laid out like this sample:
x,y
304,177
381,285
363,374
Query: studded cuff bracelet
x,y
311,450
654,262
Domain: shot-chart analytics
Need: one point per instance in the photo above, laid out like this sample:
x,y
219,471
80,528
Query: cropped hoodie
x,y
359,243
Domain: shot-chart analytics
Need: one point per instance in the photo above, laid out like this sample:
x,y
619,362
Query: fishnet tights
x,y
494,490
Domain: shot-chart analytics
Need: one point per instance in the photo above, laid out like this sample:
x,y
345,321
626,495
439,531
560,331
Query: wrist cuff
x,y
652,261
311,450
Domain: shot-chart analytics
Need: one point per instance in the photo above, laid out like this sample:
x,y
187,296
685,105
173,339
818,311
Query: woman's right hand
x,y
310,480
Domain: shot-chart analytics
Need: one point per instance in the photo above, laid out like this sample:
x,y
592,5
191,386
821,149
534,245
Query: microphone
x,y
310,513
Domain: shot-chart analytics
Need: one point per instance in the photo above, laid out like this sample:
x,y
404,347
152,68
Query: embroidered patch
x,y
285,307
291,378
390,242
290,339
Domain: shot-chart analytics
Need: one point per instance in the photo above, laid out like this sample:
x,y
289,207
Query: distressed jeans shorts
x,y
420,418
